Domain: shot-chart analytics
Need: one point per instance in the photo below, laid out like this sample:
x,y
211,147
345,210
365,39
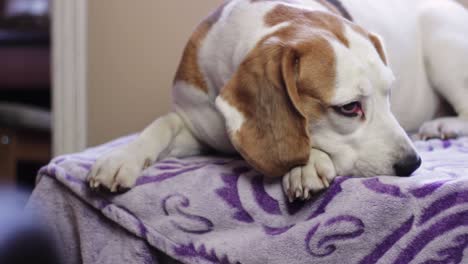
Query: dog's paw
x,y
315,176
443,128
117,171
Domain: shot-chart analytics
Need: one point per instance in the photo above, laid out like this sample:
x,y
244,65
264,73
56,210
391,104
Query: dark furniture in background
x,y
25,105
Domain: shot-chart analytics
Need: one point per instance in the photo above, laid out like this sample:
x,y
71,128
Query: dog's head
x,y
318,82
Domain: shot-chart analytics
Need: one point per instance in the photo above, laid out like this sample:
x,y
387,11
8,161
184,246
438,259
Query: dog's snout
x,y
407,166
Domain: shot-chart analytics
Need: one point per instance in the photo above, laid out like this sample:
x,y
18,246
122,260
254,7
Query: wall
x,y
134,49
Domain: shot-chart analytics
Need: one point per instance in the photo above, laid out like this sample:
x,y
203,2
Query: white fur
x,y
427,45
413,99
232,114
120,169
360,71
201,116
445,128
315,176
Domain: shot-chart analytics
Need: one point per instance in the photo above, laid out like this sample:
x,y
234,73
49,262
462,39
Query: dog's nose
x,y
407,166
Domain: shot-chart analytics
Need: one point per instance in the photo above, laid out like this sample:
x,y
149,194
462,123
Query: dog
x,y
310,89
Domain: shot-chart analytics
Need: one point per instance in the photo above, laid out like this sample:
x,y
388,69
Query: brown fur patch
x,y
273,137
189,69
379,47
324,21
285,83
316,77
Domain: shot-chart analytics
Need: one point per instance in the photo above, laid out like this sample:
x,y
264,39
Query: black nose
x,y
407,166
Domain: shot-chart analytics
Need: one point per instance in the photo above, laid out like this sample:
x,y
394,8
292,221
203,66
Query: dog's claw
x,y
303,181
306,193
147,164
95,184
325,182
115,186
298,193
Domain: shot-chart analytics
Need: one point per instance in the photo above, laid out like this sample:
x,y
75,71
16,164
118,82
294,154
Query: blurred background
x,y
25,89
132,51
25,125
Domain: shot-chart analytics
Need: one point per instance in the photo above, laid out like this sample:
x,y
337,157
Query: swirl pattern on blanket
x,y
219,210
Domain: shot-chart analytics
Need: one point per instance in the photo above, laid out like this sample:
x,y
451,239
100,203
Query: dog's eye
x,y
353,109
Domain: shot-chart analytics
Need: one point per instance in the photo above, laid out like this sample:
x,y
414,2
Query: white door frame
x,y
69,96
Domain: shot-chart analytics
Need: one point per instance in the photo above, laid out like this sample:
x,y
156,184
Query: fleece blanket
x,y
219,210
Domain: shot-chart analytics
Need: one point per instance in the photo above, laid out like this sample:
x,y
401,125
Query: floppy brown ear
x,y
378,44
263,113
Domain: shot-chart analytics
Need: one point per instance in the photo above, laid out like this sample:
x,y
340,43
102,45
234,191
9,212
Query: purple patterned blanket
x,y
218,210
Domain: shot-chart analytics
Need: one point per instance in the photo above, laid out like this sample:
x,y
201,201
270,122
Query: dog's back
x,y
216,48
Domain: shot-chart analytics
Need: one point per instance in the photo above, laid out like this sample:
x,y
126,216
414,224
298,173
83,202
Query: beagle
x,y
307,90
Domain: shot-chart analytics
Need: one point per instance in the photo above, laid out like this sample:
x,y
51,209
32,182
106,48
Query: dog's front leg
x,y
315,176
166,136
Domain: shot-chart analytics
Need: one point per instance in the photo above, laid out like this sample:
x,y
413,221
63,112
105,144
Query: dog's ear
x,y
263,111
378,44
